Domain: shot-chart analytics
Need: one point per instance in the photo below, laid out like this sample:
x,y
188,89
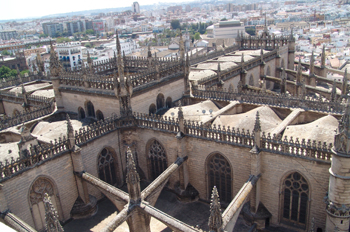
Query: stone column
x,y
338,199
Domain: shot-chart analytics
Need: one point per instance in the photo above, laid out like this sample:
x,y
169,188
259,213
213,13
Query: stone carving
x,y
51,216
342,138
215,218
40,187
337,210
55,65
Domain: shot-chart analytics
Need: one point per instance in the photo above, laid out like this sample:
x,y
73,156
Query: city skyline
x,y
40,8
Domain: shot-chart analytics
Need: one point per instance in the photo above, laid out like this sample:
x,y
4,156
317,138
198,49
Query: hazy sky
x,y
12,9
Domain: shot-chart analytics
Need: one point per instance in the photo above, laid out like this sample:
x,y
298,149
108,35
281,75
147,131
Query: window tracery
x,y
295,199
39,188
219,174
157,159
107,167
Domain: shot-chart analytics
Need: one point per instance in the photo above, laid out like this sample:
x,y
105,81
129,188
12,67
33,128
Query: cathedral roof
x,y
268,119
322,129
199,112
47,131
30,88
237,58
197,75
214,65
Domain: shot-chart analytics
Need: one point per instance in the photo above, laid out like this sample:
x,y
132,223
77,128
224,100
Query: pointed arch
x,y
168,102
152,109
99,115
157,159
160,101
90,109
38,188
107,166
251,80
220,175
295,199
81,113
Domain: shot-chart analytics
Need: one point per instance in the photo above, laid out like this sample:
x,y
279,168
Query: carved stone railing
x,y
156,122
236,70
37,156
237,137
26,116
230,136
96,130
211,55
280,100
19,98
305,149
17,81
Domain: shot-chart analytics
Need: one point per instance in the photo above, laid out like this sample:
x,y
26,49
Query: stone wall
x,y
59,171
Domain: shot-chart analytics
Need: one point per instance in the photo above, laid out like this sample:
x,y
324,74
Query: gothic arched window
x,y
90,109
157,159
152,109
169,102
107,167
251,80
81,113
99,115
268,73
160,101
36,196
219,175
295,197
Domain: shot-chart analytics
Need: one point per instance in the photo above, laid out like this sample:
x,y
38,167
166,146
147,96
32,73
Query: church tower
x,y
338,199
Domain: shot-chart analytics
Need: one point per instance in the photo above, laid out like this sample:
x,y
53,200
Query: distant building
x,y
225,29
174,9
70,55
136,7
13,62
12,47
98,25
7,35
88,25
74,27
52,29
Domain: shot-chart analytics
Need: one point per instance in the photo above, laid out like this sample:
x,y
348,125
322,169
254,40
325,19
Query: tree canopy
x,y
175,24
197,36
6,72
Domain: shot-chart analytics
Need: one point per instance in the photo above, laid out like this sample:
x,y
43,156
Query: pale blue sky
x,y
12,9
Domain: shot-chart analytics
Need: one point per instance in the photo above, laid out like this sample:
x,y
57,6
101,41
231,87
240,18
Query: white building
x,y
136,7
70,54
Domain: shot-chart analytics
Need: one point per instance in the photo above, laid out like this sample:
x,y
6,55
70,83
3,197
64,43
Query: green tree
x,y
88,45
6,72
24,71
6,53
90,32
42,35
197,36
63,40
175,24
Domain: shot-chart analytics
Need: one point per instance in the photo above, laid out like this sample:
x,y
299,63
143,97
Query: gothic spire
x,y
312,65
149,55
55,65
291,37
257,127
70,132
118,43
51,217
215,218
132,176
334,91
344,89
242,59
323,57
299,72
342,137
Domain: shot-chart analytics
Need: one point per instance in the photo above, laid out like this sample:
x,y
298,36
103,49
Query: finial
x,y
51,217
118,43
345,83
219,68
257,127
215,218
132,177
242,58
69,124
323,57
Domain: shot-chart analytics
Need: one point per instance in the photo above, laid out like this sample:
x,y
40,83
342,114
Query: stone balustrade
x,y
26,116
264,98
312,150
19,98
